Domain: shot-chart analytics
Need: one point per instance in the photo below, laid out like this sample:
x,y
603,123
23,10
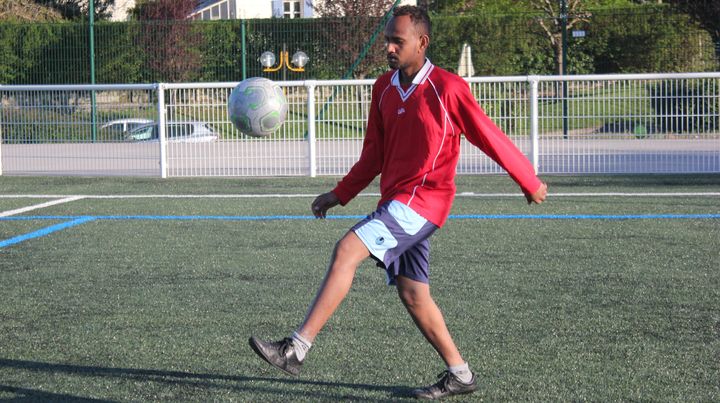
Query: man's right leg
x,y
285,355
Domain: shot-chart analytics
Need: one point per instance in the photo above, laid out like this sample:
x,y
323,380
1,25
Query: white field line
x,y
606,194
303,195
9,213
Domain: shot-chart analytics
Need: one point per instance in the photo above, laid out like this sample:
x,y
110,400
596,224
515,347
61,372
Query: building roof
x,y
206,3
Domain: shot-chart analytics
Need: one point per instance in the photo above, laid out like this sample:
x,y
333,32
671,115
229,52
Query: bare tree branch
x,y
354,21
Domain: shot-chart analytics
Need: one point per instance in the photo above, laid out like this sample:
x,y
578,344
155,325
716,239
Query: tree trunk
x,y
558,50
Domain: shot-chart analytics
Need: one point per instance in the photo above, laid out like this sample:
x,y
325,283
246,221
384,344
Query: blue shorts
x,y
398,239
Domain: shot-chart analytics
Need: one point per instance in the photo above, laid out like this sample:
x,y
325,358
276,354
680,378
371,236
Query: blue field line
x,y
77,220
45,231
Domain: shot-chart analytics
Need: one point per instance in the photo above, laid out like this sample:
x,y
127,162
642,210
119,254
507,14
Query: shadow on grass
x,y
34,395
201,380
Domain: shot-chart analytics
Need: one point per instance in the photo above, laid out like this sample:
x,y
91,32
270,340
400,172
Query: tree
x,y
507,6
73,9
351,24
552,23
474,6
706,13
171,45
13,10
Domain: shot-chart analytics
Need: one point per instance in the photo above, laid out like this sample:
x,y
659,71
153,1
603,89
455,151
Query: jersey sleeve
x,y
482,132
371,158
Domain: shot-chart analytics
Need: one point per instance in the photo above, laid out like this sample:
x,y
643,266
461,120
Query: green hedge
x,y
635,40
650,38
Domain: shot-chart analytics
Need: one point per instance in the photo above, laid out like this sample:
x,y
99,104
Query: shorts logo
x,y
380,240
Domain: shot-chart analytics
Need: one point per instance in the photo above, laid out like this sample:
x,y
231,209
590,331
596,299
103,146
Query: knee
x,y
343,249
413,298
349,252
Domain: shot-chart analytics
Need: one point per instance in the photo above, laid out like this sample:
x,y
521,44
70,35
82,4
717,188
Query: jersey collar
x,y
419,79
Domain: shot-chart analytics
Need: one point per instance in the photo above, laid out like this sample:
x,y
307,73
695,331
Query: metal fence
x,y
653,123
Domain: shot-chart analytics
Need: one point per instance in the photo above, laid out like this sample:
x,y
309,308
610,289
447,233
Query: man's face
x,y
404,45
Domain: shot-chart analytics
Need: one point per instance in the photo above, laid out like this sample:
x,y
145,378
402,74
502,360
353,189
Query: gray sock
x,y
462,372
301,345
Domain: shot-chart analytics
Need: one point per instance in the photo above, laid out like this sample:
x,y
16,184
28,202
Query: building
x,y
120,8
246,9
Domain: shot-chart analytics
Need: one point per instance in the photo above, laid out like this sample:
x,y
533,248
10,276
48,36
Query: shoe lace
x,y
444,378
285,344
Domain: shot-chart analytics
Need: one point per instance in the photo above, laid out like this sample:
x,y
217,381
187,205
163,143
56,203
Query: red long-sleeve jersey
x,y
413,139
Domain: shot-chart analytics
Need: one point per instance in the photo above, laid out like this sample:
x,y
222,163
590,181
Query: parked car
x,y
184,132
124,125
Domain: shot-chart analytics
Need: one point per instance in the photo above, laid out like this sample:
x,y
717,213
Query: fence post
x,y
534,123
243,48
93,96
1,142
312,146
161,129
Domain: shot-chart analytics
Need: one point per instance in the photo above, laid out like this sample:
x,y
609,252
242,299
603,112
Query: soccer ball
x,y
257,107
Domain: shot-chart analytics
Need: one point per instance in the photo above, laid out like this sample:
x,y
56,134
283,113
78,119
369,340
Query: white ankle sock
x,y
301,345
462,372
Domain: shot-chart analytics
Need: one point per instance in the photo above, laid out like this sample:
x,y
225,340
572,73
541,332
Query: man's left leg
x,y
416,297
428,318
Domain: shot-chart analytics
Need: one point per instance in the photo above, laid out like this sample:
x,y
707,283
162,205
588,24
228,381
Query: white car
x,y
124,125
184,132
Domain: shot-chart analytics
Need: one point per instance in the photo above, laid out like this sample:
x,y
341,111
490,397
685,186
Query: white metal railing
x,y
649,123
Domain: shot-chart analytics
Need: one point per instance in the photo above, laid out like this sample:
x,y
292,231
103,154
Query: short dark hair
x,y
417,15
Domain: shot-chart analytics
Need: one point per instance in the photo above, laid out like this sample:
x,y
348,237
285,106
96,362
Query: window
x,y
233,9
291,9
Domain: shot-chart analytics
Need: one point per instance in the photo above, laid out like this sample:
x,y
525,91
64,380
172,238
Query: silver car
x,y
125,125
183,132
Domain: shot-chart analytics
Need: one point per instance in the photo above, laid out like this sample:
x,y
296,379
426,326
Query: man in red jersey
x,y
417,114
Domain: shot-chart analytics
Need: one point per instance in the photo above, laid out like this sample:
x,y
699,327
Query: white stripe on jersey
x,y
446,120
383,96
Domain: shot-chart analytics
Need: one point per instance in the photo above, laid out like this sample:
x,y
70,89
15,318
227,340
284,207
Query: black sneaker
x,y
448,385
280,354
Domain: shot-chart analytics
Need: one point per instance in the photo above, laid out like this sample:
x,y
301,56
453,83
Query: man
x,y
417,114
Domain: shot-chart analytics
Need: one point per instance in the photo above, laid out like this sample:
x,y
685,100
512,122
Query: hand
x,y
539,195
323,203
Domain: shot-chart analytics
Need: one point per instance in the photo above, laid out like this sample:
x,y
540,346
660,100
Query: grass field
x,y
608,292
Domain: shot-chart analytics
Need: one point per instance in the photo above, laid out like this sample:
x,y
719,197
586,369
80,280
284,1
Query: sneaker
x,y
448,385
280,354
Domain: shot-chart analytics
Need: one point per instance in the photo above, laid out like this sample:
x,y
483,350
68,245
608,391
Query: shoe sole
x,y
261,354
422,397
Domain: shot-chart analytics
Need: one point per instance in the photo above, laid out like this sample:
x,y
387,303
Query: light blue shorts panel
x,y
377,238
409,220
397,238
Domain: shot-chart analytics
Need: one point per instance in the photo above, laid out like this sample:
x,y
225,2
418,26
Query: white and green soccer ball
x,y
257,107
